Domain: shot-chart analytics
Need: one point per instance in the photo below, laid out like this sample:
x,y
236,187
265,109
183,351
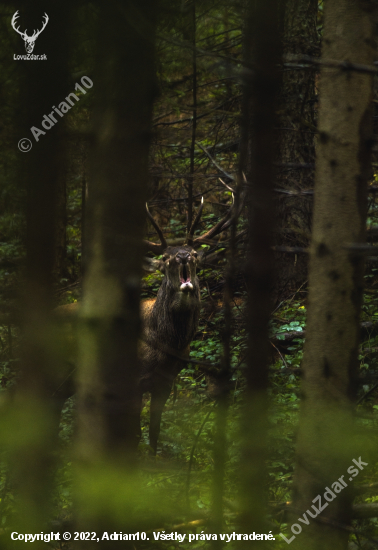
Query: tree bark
x,y
261,56
326,443
60,227
296,130
30,431
109,401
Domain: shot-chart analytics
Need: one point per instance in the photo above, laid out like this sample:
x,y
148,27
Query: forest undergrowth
x,y
182,471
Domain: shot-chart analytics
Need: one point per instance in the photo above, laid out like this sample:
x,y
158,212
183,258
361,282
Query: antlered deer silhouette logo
x,y
29,40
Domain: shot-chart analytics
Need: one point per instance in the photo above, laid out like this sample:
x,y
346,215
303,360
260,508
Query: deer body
x,y
169,325
170,320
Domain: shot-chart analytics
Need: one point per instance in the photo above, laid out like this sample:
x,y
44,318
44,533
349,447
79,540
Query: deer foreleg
x,y
159,396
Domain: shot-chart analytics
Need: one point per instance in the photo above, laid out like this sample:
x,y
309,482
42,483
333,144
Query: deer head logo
x,y
29,40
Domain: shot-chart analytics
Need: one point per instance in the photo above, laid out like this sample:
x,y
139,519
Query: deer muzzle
x,y
186,284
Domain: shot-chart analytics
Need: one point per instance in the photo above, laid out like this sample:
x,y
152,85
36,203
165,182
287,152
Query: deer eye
x,y
195,254
165,258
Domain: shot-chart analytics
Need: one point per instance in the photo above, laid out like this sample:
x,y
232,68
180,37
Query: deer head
x,y
29,40
178,263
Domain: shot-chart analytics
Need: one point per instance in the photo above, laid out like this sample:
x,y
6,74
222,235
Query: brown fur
x,y
169,325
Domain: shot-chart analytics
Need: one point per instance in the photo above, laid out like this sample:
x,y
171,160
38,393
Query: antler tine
x,y
36,33
225,222
237,213
44,23
15,16
218,227
156,247
194,224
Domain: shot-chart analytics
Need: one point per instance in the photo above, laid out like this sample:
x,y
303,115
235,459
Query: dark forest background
x,y
270,105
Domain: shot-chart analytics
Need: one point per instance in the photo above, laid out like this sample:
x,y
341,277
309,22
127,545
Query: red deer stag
x,y
170,320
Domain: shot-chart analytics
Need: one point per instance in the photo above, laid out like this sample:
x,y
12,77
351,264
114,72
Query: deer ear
x,y
160,266
200,256
150,265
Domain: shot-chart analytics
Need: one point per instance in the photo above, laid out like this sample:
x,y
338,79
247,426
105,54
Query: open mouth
x,y
185,278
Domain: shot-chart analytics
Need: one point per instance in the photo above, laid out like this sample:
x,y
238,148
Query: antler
x,y
35,33
23,34
223,224
194,225
44,25
155,247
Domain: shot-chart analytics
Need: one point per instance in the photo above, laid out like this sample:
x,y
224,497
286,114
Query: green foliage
x,y
187,430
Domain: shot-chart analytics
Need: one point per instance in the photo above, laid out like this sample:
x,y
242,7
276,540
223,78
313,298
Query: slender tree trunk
x,y
326,445
109,324
60,227
194,115
84,199
262,54
296,130
32,424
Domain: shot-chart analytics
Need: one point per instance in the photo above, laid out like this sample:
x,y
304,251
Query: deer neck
x,y
174,317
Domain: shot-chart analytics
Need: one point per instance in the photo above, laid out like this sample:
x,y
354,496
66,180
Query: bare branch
x,y
229,176
225,184
343,65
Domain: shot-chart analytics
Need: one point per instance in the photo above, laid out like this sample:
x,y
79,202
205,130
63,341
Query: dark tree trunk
x,y
36,412
262,55
60,227
109,324
296,130
327,443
